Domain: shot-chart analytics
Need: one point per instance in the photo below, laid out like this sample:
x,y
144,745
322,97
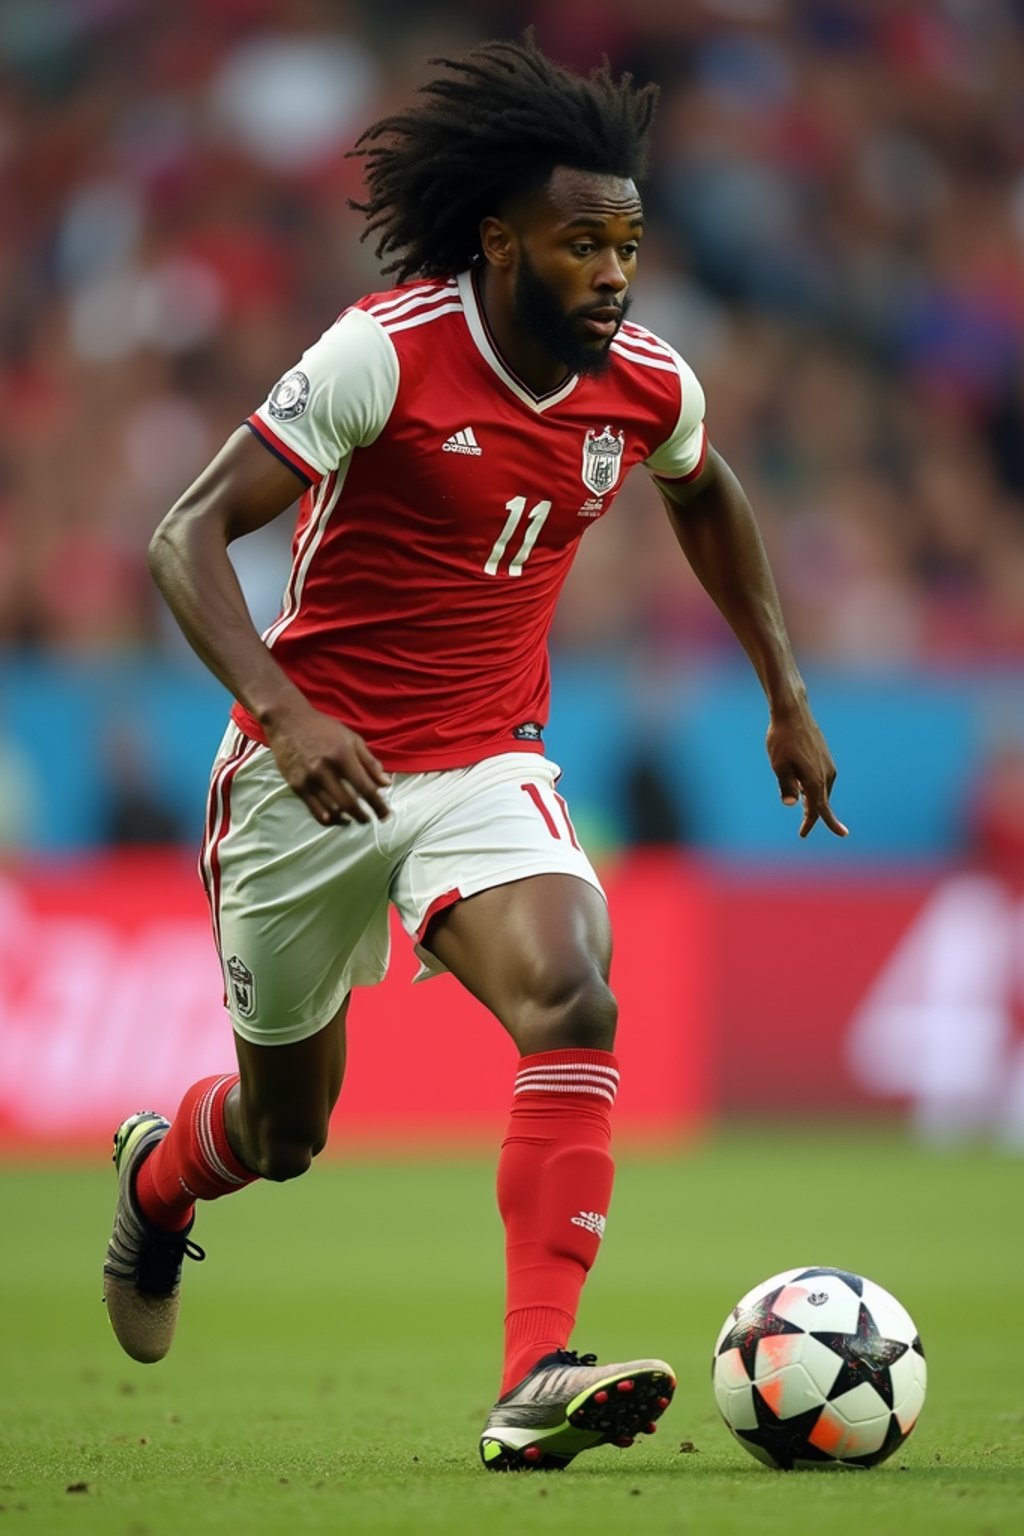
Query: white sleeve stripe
x,y
421,295
641,338
665,366
410,307
424,319
395,312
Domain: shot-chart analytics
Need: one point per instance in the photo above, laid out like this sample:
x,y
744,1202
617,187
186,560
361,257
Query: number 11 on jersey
x,y
535,522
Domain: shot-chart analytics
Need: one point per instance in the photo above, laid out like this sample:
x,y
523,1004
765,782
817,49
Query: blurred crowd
x,y
836,244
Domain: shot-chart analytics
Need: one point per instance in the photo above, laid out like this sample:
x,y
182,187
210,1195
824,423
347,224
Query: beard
x,y
543,319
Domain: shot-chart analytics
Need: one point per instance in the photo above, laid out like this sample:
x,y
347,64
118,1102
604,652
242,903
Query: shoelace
x,y
571,1357
160,1262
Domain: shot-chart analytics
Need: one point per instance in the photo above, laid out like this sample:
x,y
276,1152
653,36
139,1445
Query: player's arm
x,y
245,487
716,529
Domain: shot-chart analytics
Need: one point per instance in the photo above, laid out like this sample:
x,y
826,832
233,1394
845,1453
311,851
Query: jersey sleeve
x,y
337,398
681,456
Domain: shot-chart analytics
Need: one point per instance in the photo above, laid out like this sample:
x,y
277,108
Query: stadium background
x,y
836,229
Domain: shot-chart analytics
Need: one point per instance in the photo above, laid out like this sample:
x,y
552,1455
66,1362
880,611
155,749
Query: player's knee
x,y
591,1016
282,1155
573,1012
282,1161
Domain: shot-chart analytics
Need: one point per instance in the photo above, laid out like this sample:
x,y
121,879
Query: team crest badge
x,y
243,987
602,460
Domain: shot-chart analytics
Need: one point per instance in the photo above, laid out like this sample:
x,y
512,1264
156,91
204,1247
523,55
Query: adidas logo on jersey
x,y
463,442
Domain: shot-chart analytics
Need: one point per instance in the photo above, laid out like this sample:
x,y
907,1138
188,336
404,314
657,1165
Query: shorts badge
x,y
243,987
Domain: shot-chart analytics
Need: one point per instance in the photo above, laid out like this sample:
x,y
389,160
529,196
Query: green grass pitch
x,y
338,1350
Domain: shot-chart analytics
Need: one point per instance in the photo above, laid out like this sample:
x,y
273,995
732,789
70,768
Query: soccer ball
x,y
819,1367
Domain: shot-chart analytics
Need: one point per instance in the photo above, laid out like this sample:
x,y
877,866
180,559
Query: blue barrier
x,y
908,746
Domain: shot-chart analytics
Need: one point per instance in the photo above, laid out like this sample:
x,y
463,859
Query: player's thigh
x,y
499,891
536,952
299,910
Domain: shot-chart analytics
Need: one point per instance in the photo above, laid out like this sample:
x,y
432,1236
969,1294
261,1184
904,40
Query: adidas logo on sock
x,y
593,1221
463,442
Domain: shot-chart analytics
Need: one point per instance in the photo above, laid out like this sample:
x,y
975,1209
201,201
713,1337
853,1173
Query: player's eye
x,y
583,248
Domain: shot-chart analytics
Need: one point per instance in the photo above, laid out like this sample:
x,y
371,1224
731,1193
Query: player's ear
x,y
497,241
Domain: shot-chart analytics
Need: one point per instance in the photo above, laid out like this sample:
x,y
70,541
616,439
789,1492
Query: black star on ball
x,y
855,1282
784,1440
866,1356
756,1323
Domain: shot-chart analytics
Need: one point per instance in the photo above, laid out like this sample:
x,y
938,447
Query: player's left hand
x,y
803,765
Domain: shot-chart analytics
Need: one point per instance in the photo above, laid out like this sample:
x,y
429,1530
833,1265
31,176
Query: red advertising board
x,y
795,962
873,993
739,994
110,1000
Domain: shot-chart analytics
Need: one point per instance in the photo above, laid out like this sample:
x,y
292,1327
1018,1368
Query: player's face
x,y
576,259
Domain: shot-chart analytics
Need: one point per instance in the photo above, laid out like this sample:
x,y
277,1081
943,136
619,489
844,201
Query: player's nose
x,y
610,276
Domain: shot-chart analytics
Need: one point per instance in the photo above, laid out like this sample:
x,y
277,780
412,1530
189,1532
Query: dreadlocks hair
x,y
492,128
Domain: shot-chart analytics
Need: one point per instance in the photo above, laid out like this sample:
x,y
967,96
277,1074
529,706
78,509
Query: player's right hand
x,y
330,768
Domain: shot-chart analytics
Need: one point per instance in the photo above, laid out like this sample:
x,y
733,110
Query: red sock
x,y
194,1161
554,1184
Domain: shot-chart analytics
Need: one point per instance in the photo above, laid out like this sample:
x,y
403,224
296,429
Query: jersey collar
x,y
484,343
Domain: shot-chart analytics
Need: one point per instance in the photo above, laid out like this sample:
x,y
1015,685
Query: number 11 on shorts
x,y
549,819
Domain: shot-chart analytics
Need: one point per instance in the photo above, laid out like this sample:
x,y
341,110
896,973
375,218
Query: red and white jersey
x,y
444,507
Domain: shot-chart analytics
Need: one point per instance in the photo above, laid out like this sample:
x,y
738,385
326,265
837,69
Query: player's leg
x,y
536,952
546,981
300,915
277,1118
228,1131
267,1120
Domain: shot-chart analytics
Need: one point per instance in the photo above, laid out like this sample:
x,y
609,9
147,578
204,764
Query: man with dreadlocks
x,y
452,437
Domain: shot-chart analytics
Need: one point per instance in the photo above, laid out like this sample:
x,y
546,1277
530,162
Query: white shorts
x,y
300,911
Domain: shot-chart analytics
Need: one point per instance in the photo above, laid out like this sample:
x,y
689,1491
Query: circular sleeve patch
x,y
289,396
